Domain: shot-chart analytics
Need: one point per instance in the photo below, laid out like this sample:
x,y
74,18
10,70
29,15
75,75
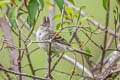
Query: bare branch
x,y
91,20
78,65
8,37
26,25
105,35
29,59
48,75
107,70
57,61
112,37
22,74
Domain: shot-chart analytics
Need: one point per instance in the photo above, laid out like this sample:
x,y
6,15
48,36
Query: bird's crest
x,y
46,21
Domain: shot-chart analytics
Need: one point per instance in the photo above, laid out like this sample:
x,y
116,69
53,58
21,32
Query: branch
x,y
26,25
29,59
19,51
111,63
65,56
22,74
112,37
49,63
78,65
8,37
91,20
105,35
57,61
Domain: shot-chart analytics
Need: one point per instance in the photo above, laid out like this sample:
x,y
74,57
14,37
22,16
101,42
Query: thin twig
x,y
34,50
57,61
112,37
91,40
49,62
29,60
105,35
75,29
62,16
11,45
73,70
19,51
26,25
78,65
22,74
2,46
91,20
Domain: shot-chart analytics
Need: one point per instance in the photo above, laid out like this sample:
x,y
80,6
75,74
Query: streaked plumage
x,y
58,45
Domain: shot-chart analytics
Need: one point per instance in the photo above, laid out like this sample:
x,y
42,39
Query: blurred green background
x,y
93,8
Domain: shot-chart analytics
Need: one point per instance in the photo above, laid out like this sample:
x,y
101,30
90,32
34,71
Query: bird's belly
x,y
55,47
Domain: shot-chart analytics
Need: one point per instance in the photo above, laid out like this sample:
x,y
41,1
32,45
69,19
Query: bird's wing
x,y
58,38
61,40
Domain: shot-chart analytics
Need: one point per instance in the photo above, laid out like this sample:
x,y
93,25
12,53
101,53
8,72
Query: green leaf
x,y
105,4
89,28
48,3
68,10
56,16
70,30
85,48
82,42
71,2
82,7
4,2
59,16
60,4
83,19
12,15
33,6
17,2
66,16
42,3
19,14
75,13
58,25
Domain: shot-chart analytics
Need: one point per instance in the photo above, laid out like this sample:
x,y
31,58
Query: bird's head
x,y
45,25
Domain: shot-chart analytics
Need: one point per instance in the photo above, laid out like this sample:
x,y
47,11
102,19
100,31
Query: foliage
x,y
76,27
60,4
12,16
33,6
4,2
85,48
42,3
48,3
105,4
72,1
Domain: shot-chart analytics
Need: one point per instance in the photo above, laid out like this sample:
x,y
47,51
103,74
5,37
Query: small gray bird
x,y
58,44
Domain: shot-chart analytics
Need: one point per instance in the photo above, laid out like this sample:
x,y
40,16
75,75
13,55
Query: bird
x,y
58,43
